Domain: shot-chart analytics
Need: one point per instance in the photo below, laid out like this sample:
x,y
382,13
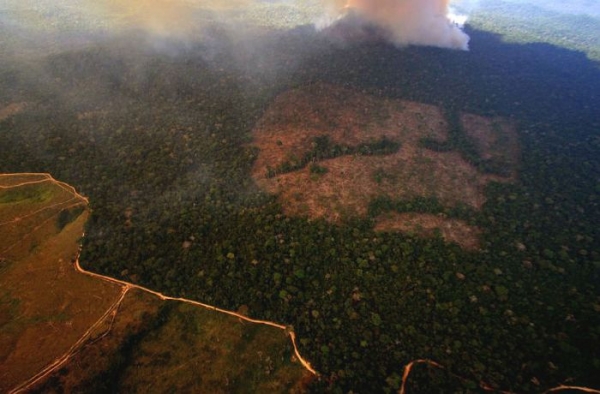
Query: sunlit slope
x,y
45,306
61,329
175,347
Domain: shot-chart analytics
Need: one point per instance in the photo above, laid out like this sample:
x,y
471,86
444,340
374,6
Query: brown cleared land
x,y
346,184
11,110
65,329
495,139
428,225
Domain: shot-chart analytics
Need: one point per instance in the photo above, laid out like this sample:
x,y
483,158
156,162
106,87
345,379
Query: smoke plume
x,y
405,22
410,22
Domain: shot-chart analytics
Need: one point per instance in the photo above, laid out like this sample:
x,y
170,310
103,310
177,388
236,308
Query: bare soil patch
x,y
11,110
495,138
345,185
427,225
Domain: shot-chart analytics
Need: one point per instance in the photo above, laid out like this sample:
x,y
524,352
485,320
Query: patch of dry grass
x,y
52,305
46,307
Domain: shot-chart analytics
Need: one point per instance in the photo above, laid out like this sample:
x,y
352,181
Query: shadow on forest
x,y
535,81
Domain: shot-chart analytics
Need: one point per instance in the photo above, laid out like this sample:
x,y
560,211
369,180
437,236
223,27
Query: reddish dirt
x,y
287,131
11,110
452,230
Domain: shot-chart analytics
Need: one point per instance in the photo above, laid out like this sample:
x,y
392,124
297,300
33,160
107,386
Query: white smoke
x,y
410,22
405,22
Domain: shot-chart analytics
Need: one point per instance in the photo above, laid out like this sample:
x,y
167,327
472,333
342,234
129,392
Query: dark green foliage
x,y
460,142
66,216
385,203
318,170
324,149
30,194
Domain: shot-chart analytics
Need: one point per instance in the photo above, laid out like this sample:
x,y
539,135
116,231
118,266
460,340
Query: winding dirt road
x,y
22,180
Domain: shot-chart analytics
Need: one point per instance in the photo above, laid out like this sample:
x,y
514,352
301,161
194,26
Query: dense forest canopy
x,y
161,143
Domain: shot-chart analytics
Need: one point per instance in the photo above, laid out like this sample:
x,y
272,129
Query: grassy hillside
x,y
61,330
